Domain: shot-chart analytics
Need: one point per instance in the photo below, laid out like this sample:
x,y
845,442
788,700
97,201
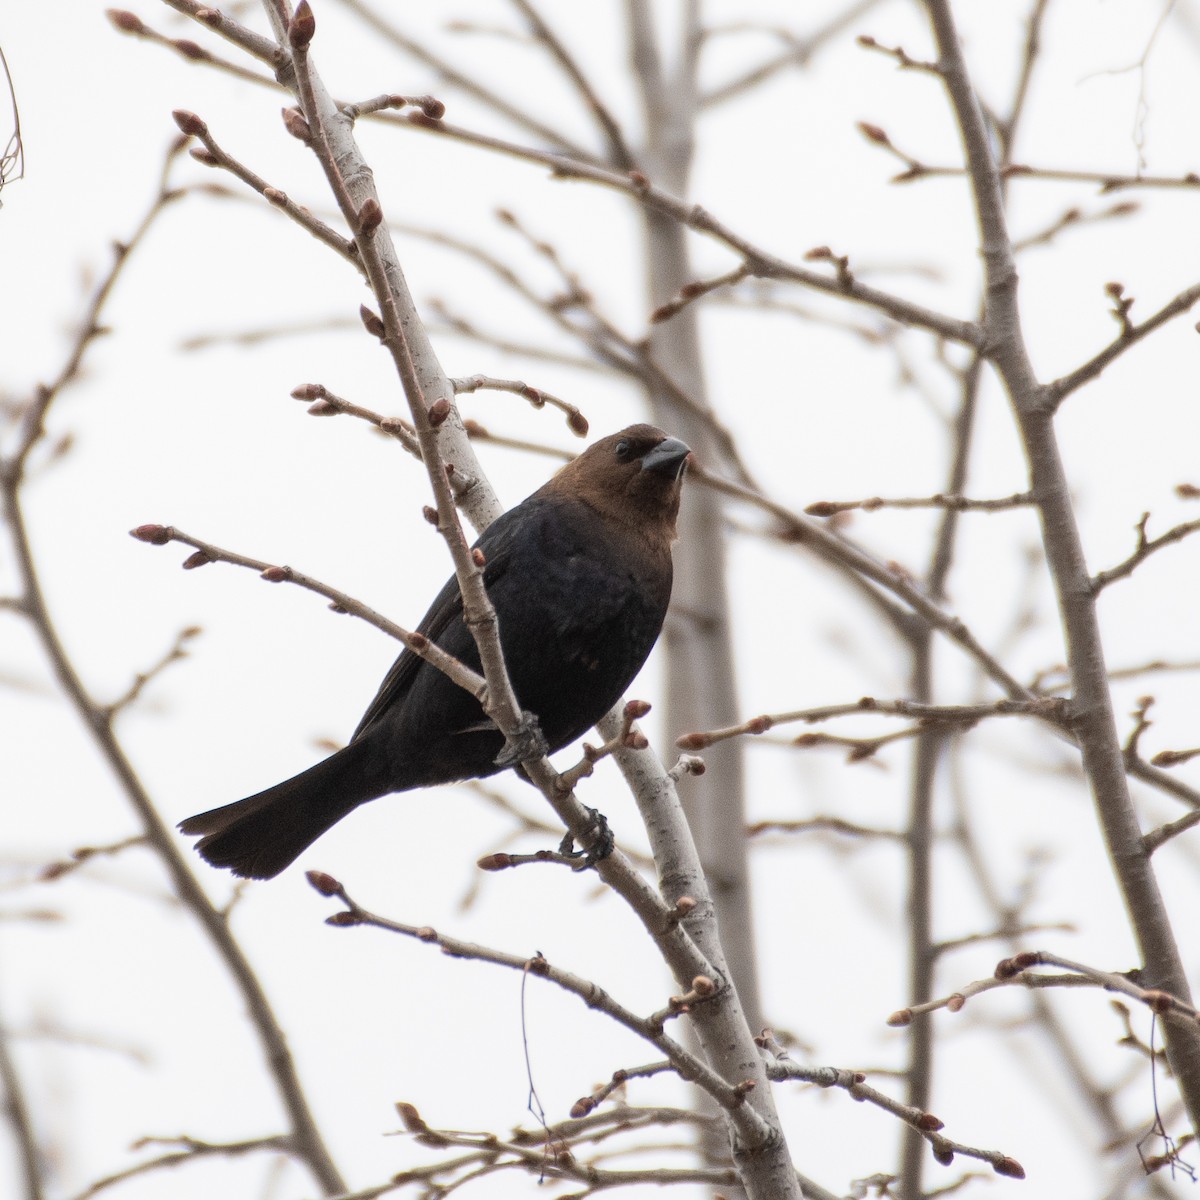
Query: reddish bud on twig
x,y
433,108
636,741
929,1123
322,408
636,709
205,156
703,986
303,26
307,391
192,50
156,535
430,514
639,180
323,883
337,608
1010,1167
1158,1001
275,196
955,1002
874,134
1172,758
582,1107
427,933
693,741
537,965
479,558
126,22
413,1121
210,16
943,1154
370,217
1008,967
822,508
439,410
201,558
189,123
418,642
684,905
371,322
296,125
344,918
900,1018
276,574
577,423
495,862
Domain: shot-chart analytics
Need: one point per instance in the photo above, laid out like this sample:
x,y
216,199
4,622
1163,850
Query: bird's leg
x,y
527,743
602,839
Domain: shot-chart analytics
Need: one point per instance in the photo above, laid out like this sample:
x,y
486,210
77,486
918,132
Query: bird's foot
x,y
527,743
602,839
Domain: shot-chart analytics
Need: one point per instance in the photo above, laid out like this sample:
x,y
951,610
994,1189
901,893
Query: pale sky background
x,y
147,1031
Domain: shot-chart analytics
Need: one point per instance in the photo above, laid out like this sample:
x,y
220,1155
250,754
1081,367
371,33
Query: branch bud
x,y
874,134
124,21
303,26
371,322
156,535
439,410
189,123
296,125
494,862
323,883
370,216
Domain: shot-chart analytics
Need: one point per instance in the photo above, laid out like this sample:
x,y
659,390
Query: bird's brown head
x,y
633,477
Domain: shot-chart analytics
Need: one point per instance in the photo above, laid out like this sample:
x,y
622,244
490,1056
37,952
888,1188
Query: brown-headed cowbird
x,y
580,576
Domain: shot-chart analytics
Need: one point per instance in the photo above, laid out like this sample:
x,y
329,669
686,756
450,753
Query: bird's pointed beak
x,y
669,457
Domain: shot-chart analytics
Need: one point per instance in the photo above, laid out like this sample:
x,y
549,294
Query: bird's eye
x,y
623,450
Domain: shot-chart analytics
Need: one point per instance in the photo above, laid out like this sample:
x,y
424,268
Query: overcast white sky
x,y
210,441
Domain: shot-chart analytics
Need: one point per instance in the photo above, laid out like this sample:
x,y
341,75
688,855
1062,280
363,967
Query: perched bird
x,y
580,577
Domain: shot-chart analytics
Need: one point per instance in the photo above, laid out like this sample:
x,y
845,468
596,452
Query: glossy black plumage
x,y
580,576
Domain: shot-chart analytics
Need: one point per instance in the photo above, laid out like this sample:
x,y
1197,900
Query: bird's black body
x,y
580,577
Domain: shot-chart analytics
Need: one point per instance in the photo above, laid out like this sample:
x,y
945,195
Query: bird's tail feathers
x,y
259,836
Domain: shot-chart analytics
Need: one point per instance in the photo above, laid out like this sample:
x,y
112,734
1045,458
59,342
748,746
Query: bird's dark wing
x,y
444,616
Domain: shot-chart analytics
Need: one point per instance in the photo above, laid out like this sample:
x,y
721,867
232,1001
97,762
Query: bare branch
x,y
1145,547
1061,388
